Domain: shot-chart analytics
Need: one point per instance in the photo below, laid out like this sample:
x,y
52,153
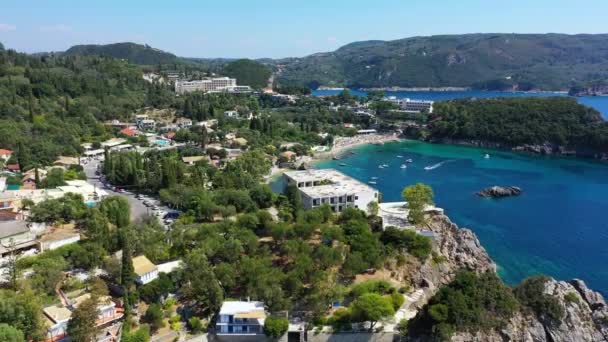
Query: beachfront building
x,y
331,187
241,318
205,85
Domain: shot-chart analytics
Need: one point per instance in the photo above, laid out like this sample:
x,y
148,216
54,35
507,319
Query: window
x,y
375,195
315,201
349,198
332,200
356,198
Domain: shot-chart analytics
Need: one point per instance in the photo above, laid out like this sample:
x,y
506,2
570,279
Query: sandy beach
x,y
344,144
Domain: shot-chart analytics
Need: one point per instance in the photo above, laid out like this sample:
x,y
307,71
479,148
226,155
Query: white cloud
x,y
7,27
58,28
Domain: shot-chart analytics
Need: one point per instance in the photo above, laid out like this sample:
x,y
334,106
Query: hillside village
x,y
160,224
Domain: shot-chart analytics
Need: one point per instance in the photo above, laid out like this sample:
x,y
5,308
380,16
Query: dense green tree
x,y
10,334
418,196
372,307
82,325
275,327
154,316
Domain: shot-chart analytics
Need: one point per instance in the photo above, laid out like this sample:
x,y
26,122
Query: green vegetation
x,y
531,293
248,72
417,196
516,121
275,327
544,61
10,334
82,326
406,240
471,302
134,53
371,307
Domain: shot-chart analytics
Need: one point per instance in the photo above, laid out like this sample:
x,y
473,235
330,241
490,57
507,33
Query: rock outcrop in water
x,y
500,191
585,311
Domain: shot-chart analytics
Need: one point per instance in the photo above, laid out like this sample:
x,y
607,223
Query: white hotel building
x,y
319,187
209,84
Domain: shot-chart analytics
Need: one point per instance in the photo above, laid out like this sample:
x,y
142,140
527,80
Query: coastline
x,y
344,144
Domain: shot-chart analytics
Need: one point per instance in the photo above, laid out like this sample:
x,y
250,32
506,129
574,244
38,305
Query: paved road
x,y
137,207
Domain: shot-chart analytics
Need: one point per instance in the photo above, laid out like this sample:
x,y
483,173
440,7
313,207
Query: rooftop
x,y
338,183
141,265
60,234
57,313
193,159
243,309
11,228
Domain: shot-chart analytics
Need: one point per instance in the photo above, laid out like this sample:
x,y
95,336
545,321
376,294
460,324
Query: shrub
x,y
196,325
371,286
275,327
571,297
341,319
397,300
531,293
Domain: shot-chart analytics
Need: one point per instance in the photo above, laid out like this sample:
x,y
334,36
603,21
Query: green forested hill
x,y
517,121
134,53
248,72
486,61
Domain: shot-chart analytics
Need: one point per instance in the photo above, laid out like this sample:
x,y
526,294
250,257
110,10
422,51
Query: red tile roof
x,y
4,152
13,167
128,131
169,135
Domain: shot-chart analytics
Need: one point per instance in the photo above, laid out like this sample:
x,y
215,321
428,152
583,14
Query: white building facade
x,y
241,318
210,84
331,187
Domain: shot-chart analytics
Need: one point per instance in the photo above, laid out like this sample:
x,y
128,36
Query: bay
x,y
556,227
600,103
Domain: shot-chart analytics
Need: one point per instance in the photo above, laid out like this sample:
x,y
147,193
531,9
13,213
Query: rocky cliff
x,y
585,311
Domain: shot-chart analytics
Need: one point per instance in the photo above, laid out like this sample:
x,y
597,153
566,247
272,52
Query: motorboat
x,y
403,166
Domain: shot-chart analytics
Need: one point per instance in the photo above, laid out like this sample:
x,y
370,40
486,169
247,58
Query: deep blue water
x,y
557,227
600,103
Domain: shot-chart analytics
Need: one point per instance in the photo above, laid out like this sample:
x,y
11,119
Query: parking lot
x,y
140,204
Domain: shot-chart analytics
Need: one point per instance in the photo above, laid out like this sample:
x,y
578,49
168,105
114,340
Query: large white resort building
x,y
210,85
339,191
411,105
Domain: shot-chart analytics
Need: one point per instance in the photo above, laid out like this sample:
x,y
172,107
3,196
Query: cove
x,y
557,227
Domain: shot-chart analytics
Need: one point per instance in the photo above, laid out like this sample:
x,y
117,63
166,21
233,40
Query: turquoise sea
x,y
558,226
600,103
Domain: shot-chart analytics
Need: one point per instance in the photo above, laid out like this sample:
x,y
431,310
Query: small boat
x,y
487,156
374,178
384,165
399,156
335,158
381,166
409,161
403,166
342,164
372,182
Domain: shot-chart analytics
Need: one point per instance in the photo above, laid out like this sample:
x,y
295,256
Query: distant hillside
x,y
485,61
134,53
1,46
248,72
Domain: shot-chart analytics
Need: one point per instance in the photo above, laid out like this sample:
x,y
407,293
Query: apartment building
x,y
331,187
205,85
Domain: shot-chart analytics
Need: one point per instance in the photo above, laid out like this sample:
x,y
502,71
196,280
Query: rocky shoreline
x,y
586,311
500,191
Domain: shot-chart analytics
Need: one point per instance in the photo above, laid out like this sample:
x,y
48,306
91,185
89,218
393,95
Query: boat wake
x,y
433,167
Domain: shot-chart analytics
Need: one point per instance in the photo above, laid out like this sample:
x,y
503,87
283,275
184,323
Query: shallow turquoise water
x,y
557,227
600,103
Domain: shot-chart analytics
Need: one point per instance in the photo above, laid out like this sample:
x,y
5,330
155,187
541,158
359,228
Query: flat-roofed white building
x,y
209,84
241,318
331,187
416,106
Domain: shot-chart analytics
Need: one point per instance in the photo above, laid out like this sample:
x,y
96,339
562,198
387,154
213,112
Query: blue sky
x,y
274,28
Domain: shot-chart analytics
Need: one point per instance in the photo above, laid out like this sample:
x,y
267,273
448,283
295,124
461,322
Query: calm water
x,y
558,225
600,103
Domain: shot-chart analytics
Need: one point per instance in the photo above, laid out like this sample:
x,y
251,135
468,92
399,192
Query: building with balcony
x,y
240,319
331,187
205,85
